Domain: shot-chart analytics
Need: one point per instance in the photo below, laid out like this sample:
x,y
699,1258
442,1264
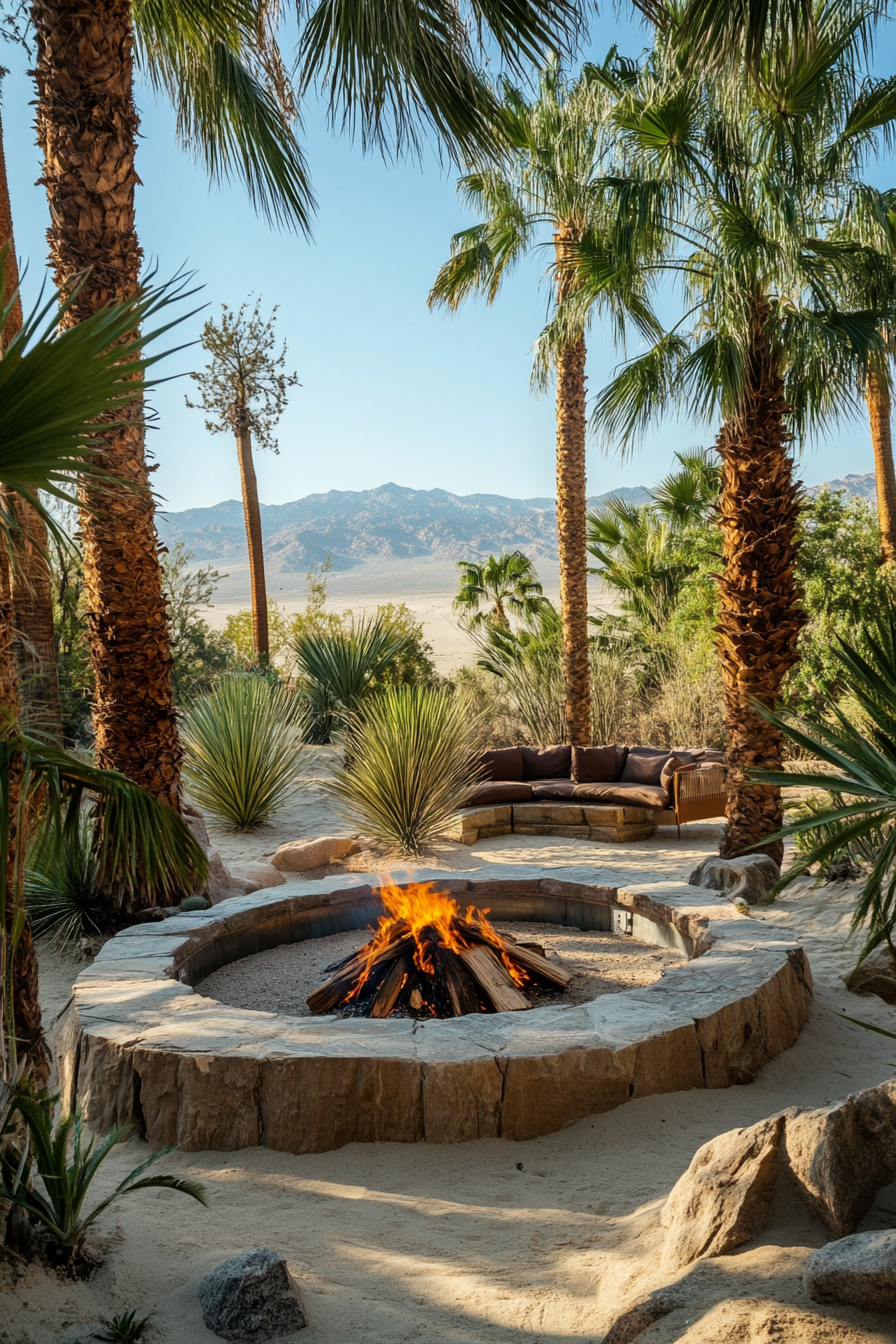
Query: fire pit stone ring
x,y
138,1045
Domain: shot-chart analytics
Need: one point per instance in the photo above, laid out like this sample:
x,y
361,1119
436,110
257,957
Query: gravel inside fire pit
x,y
280,980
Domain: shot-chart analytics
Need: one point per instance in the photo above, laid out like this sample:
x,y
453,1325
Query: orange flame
x,y
422,907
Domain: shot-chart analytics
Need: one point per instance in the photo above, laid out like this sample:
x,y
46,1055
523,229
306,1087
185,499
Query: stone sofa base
x,y
137,1045
584,821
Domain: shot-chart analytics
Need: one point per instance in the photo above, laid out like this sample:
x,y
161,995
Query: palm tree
x,y
546,183
504,582
53,385
244,391
734,189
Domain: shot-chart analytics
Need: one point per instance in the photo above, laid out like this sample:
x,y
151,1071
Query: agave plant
x,y
861,767
63,894
339,668
126,1328
412,766
243,742
66,1165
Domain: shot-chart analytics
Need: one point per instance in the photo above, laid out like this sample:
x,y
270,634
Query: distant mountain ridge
x,y
395,521
391,520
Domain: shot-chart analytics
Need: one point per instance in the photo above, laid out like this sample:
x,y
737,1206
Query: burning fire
x,y
426,958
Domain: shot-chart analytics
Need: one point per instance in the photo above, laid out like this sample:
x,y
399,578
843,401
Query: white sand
x,y
423,1243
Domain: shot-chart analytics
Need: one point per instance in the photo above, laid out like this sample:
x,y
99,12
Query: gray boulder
x,y
857,1271
633,1322
252,1297
722,1200
745,879
841,1155
876,975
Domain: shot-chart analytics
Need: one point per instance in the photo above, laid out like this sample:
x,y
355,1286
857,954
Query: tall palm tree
x,y
543,194
220,63
735,186
506,582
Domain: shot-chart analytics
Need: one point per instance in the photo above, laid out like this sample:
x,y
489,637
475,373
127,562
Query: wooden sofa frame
x,y
697,795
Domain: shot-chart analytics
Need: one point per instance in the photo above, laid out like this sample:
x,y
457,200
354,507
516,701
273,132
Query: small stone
x,y
876,975
748,878
722,1200
254,876
636,1320
252,1297
858,1271
299,855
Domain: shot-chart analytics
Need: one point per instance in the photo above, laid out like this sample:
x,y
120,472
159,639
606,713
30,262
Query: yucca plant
x,y
63,894
338,669
243,742
412,766
66,1164
861,780
126,1328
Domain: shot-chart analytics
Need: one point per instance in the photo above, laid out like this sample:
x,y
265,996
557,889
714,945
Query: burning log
x,y
428,959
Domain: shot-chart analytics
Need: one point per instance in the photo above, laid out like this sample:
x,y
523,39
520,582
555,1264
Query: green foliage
x,y
529,663
411,766
245,384
340,671
76,679
66,1165
238,634
414,664
200,654
125,1328
505,583
63,890
860,766
243,743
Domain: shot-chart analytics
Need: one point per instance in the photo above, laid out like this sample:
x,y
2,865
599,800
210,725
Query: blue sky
x,y
390,391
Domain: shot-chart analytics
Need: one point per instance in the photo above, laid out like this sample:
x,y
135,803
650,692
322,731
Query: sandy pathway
x,y
423,1243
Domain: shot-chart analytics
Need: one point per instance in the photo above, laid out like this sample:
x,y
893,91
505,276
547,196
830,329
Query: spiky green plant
x,y
66,1164
126,1328
243,742
338,669
63,894
412,766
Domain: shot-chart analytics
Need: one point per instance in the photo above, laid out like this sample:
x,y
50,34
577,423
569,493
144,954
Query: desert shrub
x,y
339,670
412,765
63,890
126,1328
57,1155
528,662
200,654
243,743
682,705
487,705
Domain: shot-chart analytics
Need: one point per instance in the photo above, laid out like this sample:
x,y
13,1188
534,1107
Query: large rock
x,y
841,1155
722,1199
300,855
195,822
252,1297
857,1271
876,975
635,1321
255,876
219,886
744,879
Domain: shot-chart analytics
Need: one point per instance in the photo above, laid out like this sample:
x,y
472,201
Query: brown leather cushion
x,y
502,764
499,791
676,764
644,765
552,788
594,765
547,762
623,795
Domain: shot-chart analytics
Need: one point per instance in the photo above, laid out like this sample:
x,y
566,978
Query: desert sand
x,y
544,1241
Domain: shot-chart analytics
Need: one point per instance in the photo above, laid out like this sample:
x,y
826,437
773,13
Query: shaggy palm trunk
x,y
32,597
759,612
877,392
252,514
571,516
87,126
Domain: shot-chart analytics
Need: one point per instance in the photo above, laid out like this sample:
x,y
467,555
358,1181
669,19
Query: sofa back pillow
x,y
547,762
594,765
505,763
676,765
644,765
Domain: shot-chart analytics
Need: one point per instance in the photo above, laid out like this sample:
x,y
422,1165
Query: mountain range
x,y
393,521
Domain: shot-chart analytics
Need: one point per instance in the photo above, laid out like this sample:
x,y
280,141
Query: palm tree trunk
x,y
759,612
23,971
877,392
87,126
571,518
252,514
32,597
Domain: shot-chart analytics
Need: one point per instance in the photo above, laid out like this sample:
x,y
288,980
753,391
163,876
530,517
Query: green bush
x,y
412,766
63,891
242,745
340,669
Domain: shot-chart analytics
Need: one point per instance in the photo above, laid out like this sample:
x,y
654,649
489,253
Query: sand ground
x,y
544,1241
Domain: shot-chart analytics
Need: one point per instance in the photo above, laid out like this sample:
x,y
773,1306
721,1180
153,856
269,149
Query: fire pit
x,y
426,960
138,1044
